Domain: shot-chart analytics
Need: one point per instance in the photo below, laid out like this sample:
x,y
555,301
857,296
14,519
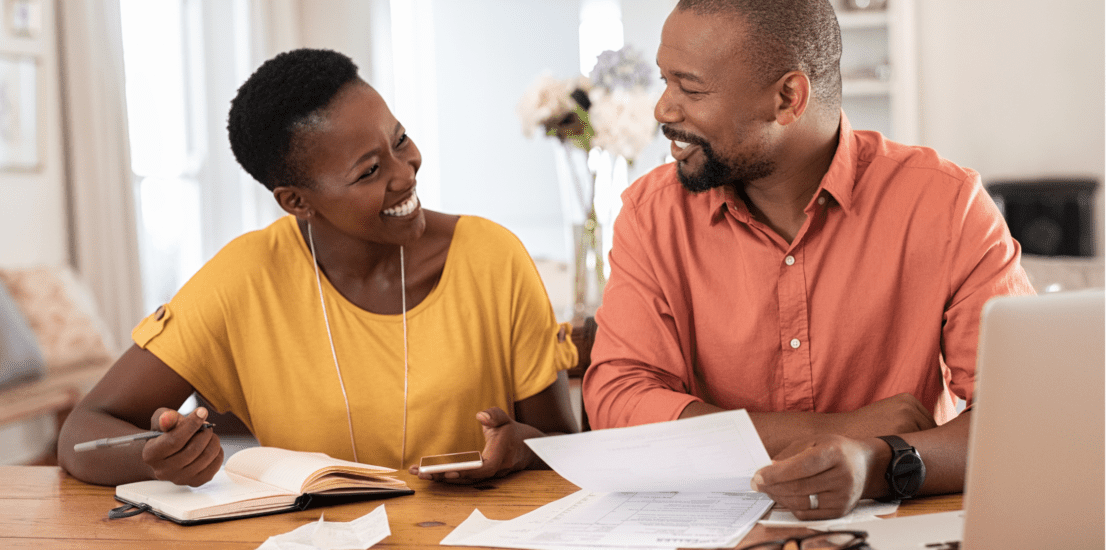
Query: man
x,y
828,281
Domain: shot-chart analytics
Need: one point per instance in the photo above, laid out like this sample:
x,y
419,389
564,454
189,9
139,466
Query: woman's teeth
x,y
403,209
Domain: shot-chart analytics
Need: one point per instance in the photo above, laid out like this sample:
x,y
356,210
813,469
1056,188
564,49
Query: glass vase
x,y
588,279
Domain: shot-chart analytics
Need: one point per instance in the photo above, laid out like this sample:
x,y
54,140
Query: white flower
x,y
623,120
546,98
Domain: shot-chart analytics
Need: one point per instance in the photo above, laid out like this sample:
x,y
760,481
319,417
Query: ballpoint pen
x,y
123,440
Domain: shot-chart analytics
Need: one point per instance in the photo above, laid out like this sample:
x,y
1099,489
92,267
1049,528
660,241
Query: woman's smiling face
x,y
361,167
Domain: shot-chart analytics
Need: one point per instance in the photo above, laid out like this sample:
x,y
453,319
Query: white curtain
x,y
274,28
103,241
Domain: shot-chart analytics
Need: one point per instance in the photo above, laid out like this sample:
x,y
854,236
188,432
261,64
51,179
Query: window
x,y
165,154
183,61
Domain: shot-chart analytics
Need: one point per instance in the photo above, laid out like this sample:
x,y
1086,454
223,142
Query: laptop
x,y
1036,457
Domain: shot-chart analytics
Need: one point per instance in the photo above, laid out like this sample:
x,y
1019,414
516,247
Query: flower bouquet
x,y
610,111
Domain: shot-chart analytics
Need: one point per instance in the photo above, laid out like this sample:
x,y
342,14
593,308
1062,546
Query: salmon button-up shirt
x,y
879,293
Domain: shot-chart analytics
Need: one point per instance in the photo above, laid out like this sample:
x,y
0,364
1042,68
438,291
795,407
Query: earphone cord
x,y
405,339
334,358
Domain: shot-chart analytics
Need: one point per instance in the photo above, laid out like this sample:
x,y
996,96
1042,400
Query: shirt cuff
x,y
658,406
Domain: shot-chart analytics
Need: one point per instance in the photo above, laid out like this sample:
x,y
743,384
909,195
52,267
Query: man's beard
x,y
715,171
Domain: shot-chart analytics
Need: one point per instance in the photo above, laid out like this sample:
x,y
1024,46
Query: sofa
x,y
53,349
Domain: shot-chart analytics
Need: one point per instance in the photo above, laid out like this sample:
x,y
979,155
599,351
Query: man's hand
x,y
832,467
898,414
505,450
186,453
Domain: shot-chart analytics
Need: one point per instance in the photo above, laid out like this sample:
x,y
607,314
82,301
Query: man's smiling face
x,y
716,114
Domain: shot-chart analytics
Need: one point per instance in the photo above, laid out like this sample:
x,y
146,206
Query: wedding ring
x,y
813,505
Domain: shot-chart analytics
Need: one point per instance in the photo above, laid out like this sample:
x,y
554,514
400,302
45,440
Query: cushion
x,y
62,314
20,356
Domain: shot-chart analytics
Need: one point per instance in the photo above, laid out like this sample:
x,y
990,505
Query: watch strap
x,y
906,472
897,444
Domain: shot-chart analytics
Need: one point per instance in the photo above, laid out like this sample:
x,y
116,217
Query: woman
x,y
361,325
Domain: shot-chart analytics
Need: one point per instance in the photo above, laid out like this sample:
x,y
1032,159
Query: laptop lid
x,y
1036,462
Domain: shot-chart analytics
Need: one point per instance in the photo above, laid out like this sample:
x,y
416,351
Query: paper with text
x,y
714,452
476,523
625,520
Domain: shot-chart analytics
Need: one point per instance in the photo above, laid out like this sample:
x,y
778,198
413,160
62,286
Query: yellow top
x,y
248,333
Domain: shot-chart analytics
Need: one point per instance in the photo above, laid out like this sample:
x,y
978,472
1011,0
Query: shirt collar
x,y
722,199
838,182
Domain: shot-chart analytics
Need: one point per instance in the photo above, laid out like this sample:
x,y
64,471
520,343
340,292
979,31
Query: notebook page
x,y
293,470
224,494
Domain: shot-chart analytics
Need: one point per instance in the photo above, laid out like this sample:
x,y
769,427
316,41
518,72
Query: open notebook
x,y
260,481
1035,474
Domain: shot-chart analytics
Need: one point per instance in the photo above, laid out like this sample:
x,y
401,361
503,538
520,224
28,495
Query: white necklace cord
x,y
334,357
405,339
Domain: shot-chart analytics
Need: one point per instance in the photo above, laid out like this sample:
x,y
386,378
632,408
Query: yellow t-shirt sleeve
x,y
190,335
537,353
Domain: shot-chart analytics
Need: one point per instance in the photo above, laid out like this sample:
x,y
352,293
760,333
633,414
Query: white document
x,y
865,510
477,523
685,483
714,452
358,534
624,520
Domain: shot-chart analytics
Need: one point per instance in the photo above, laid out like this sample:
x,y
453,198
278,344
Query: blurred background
x,y
115,164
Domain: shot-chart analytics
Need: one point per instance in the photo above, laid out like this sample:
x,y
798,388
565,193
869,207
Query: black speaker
x,y
1049,217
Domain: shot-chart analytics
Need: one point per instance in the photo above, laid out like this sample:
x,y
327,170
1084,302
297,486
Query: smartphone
x,y
454,462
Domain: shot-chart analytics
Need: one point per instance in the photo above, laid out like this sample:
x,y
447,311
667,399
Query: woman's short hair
x,y
284,97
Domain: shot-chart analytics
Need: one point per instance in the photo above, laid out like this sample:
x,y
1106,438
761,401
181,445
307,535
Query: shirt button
x,y
790,260
795,343
821,199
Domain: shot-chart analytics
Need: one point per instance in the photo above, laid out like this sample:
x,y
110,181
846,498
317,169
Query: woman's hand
x,y
505,450
187,453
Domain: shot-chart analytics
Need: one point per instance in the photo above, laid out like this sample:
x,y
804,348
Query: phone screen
x,y
454,462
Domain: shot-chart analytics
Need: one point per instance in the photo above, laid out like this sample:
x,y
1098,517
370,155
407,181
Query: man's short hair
x,y
787,35
283,98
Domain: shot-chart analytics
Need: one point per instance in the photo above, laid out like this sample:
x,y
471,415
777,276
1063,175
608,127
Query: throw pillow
x,y
20,356
62,314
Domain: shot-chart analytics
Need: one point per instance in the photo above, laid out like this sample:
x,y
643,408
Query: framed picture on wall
x,y
23,17
19,132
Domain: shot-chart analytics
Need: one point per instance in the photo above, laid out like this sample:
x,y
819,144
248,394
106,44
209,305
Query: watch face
x,y
906,474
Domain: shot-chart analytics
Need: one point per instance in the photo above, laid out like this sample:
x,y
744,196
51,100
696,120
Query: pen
x,y
123,440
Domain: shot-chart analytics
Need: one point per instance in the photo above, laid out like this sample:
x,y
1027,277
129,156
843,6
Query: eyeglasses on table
x,y
831,540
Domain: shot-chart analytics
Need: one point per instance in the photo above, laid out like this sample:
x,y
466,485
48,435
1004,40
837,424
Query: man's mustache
x,y
676,135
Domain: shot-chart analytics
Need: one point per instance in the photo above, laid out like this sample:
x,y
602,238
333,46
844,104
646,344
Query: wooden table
x,y
42,507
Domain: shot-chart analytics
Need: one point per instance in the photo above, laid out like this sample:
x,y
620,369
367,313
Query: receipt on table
x,y
358,534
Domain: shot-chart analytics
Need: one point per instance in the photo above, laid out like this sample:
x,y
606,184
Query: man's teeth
x,y
403,209
681,144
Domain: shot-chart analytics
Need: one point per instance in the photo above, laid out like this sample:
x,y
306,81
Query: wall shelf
x,y
862,87
861,19
879,69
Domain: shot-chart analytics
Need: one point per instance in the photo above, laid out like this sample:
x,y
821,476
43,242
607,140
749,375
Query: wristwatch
x,y
906,471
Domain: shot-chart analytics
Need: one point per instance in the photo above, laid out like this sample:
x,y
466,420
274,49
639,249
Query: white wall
x,y
1016,89
34,223
343,27
487,53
